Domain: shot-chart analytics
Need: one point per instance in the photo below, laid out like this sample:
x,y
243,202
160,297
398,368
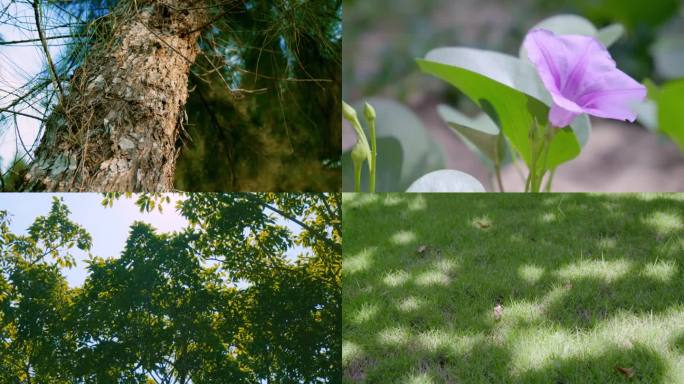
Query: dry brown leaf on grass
x,y
498,312
626,372
483,224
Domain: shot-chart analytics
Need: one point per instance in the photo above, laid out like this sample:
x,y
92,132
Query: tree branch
x,y
302,224
39,39
53,70
21,114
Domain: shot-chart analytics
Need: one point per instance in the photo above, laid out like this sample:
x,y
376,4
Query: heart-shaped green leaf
x,y
509,91
610,34
577,25
566,24
647,111
480,134
446,180
669,110
668,55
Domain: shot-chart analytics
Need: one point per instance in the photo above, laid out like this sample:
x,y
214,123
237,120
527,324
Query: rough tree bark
x,y
118,125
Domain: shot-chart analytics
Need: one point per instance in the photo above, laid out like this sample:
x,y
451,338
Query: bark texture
x,y
118,125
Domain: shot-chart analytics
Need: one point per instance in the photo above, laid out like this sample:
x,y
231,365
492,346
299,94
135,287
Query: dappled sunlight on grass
x,y
410,304
445,265
434,340
515,289
555,295
656,196
441,273
393,199
394,336
611,206
536,346
418,203
553,200
671,246
481,222
418,378
403,237
521,312
678,344
606,243
664,223
607,271
463,344
358,263
396,278
516,238
357,200
515,315
661,270
365,313
545,345
432,278
530,273
549,217
350,351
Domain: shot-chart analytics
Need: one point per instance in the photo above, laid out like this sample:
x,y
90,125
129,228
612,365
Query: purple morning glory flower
x,y
581,77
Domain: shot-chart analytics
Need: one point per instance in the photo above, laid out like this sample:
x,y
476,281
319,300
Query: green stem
x,y
374,153
357,177
540,177
497,172
540,139
546,145
532,178
497,162
549,181
515,160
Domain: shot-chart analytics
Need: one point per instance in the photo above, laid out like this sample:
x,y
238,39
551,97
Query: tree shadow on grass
x,y
437,265
637,364
678,344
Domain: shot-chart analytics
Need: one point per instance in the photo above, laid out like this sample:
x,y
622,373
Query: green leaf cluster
x,y
514,102
219,301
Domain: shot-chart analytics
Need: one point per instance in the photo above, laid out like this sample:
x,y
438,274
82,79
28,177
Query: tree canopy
x,y
216,302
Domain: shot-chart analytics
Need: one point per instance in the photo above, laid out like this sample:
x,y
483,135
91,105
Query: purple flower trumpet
x,y
581,77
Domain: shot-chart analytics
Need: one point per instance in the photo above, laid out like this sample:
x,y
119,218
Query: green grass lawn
x,y
513,288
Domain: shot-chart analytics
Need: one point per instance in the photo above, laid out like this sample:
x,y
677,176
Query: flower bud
x,y
348,112
359,153
369,112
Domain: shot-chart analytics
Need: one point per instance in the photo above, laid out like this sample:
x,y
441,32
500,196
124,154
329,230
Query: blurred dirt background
x,y
382,37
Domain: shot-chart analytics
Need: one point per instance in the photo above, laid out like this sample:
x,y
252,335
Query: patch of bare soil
x,y
356,370
437,365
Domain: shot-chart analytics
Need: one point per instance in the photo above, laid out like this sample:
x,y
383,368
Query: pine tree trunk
x,y
117,127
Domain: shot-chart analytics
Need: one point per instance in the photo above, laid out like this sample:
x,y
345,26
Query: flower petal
x,y
603,90
556,58
615,103
581,77
561,117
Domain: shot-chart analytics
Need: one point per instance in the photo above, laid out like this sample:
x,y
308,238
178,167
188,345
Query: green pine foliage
x,y
283,131
263,111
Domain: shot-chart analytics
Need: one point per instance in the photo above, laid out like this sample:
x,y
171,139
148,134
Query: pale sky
x,y
108,227
18,64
